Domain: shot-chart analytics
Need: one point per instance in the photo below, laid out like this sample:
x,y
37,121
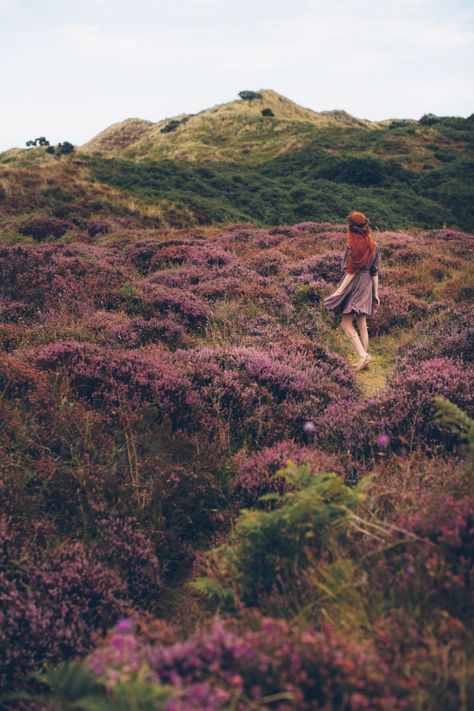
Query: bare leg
x,y
364,334
348,328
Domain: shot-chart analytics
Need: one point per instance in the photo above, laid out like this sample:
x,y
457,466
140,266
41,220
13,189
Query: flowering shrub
x,y
20,380
40,228
450,335
256,472
150,254
51,277
432,563
210,256
50,602
403,411
276,663
397,310
268,263
122,545
315,227
407,256
322,266
155,300
119,328
109,379
394,239
264,394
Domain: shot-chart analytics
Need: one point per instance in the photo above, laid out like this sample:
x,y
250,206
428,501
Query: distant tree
x,y
267,112
41,141
170,126
65,147
249,95
429,119
61,149
399,123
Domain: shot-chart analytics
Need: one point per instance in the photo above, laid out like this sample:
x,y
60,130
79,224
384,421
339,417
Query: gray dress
x,y
358,297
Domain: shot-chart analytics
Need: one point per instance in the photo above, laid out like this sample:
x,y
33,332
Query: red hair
x,y
362,245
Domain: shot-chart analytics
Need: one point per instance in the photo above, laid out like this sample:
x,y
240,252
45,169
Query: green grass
x,y
343,169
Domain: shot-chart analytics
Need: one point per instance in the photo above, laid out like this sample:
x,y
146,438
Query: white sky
x,y
70,68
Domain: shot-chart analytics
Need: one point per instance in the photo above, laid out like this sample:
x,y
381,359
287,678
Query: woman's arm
x,y
344,284
375,281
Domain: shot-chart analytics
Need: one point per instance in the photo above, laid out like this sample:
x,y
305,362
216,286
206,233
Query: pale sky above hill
x,y
70,68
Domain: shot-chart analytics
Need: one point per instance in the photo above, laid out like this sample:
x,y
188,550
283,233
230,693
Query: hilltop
x,y
235,130
230,163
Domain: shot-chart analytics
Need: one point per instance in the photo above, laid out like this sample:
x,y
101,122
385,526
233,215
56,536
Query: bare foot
x,y
363,363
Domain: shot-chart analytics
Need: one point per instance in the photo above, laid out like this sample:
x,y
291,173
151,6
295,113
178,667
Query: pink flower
x,y
124,626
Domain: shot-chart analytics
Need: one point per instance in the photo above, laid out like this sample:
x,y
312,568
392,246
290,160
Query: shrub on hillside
x,y
150,254
450,335
268,263
152,300
321,266
111,379
248,95
134,332
267,548
402,412
42,228
256,471
55,277
429,563
170,126
307,289
397,310
273,663
263,394
209,256
122,545
50,601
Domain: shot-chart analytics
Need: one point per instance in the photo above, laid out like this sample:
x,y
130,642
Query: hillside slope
x,y
232,131
154,383
231,163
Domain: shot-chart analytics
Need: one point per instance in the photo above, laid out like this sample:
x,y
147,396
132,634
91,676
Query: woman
x,y
358,293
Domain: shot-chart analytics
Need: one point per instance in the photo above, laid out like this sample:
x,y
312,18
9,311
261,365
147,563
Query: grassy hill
x,y
235,131
230,163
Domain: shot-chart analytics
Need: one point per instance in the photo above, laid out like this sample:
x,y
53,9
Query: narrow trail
x,y
383,350
373,379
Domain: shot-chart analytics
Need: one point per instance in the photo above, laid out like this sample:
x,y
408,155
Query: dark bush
x,y
247,95
170,126
40,228
50,600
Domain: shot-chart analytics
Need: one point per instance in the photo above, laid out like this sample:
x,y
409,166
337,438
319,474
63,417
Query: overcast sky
x,y
70,68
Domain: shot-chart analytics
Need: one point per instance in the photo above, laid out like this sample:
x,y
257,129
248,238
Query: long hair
x,y
359,239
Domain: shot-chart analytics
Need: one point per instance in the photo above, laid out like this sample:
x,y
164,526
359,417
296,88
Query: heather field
x,y
201,506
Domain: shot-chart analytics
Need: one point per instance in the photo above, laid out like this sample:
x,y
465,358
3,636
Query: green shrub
x,y
266,547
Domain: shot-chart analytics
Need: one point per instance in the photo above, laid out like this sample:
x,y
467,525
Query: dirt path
x,y
383,350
